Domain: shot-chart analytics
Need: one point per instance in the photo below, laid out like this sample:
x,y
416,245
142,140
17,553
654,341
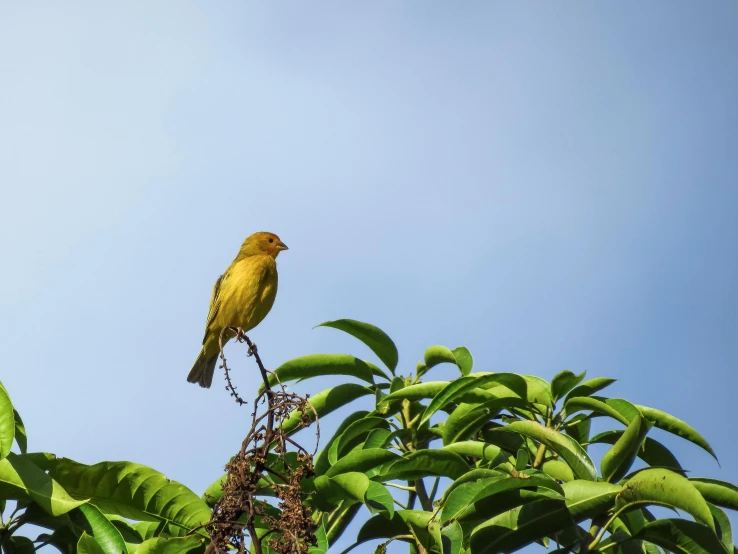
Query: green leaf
x,y
362,461
378,498
416,392
569,450
625,543
522,459
339,519
63,539
105,533
318,365
397,383
88,545
522,525
399,436
322,540
325,402
718,492
481,450
452,537
381,527
20,433
424,463
463,359
652,452
214,491
601,407
126,530
617,460
377,340
558,469
169,545
467,418
21,479
590,387
7,423
42,460
681,536
528,387
513,529
134,491
149,529
438,354
587,499
17,544
522,386
425,530
322,463
565,381
467,494
355,487
473,475
492,506
421,391
662,486
634,520
377,438
722,526
455,389
355,432
625,408
578,428
464,421
510,442
36,515
669,423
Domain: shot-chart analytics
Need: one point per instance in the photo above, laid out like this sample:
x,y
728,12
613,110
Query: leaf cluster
x,y
491,462
105,508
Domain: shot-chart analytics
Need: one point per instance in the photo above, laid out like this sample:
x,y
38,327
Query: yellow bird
x,y
242,297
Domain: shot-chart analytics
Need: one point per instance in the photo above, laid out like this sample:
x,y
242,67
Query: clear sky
x,y
553,185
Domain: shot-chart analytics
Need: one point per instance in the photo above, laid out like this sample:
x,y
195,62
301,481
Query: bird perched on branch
x,y
242,297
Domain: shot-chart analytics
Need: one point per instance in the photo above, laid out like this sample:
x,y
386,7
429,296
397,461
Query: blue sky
x,y
552,186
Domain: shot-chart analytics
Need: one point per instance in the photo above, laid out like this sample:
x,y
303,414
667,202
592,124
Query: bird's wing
x,y
214,304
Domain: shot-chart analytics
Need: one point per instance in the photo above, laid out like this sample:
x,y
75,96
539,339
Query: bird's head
x,y
263,243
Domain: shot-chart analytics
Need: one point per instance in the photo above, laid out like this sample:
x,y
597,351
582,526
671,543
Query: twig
x,y
229,385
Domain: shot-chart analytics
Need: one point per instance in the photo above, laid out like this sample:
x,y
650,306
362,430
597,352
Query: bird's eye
x,y
271,239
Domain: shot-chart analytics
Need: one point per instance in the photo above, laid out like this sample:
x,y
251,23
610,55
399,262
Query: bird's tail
x,y
203,369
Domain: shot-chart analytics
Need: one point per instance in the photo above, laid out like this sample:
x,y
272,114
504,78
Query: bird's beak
x,y
282,246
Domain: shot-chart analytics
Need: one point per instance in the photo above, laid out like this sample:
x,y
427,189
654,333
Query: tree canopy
x,y
484,463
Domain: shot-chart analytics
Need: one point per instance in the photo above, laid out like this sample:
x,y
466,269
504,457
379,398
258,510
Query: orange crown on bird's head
x,y
262,243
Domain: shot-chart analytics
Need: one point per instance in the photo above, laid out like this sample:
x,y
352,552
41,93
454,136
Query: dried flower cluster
x,y
269,464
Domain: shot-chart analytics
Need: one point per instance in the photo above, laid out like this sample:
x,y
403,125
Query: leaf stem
x,y
403,487
598,532
542,447
540,453
611,545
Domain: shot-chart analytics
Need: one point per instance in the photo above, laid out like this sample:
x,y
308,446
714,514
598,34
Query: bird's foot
x,y
240,335
252,349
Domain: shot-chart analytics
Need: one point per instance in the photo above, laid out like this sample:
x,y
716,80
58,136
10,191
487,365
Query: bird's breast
x,y
252,287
